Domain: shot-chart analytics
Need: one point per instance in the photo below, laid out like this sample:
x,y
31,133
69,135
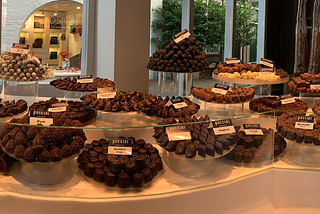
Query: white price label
x,y
180,105
304,125
219,91
85,80
181,36
287,101
106,95
42,121
253,131
224,130
119,150
58,109
181,135
314,86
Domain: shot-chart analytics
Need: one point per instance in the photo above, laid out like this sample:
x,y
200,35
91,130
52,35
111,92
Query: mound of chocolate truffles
x,y
71,84
185,56
22,67
204,141
274,103
242,70
42,144
302,83
137,101
74,110
257,148
286,127
125,170
236,95
10,108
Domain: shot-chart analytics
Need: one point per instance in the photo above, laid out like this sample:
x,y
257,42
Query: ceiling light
x,y
78,7
55,14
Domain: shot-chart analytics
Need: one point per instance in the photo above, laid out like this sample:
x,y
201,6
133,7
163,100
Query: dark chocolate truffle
x,y
98,175
123,180
110,179
137,180
147,174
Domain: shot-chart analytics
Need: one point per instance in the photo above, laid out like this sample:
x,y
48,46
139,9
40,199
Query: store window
x,y
246,30
54,33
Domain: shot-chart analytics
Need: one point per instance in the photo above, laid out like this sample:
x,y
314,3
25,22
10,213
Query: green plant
x,y
209,23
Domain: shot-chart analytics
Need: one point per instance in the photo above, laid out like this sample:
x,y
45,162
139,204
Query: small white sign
x,y
20,48
287,101
119,150
39,120
57,109
181,135
60,104
180,105
219,91
181,36
304,125
270,74
224,130
232,60
253,131
85,80
266,62
106,95
314,86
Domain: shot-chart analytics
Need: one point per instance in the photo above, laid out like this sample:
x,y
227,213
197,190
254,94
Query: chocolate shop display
x,y
305,83
307,132
10,108
316,109
22,67
237,95
204,141
184,56
274,103
73,84
5,161
136,169
74,110
257,148
41,144
137,101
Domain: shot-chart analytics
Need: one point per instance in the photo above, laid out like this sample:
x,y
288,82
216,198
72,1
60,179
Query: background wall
x,y
15,13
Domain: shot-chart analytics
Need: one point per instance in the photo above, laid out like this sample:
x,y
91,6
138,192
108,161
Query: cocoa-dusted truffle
x,y
38,140
14,132
19,151
10,146
75,148
29,155
20,138
5,139
32,132
44,156
55,155
57,136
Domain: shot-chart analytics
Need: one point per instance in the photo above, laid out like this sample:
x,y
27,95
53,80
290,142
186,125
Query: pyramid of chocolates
x,y
41,144
237,95
123,170
274,103
71,84
302,83
286,126
257,148
204,142
184,56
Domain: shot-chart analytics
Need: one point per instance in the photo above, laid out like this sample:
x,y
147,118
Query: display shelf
x,y
249,81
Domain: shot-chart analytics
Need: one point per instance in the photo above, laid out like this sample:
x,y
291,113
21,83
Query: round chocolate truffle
x,y
116,166
29,155
44,156
55,155
19,151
